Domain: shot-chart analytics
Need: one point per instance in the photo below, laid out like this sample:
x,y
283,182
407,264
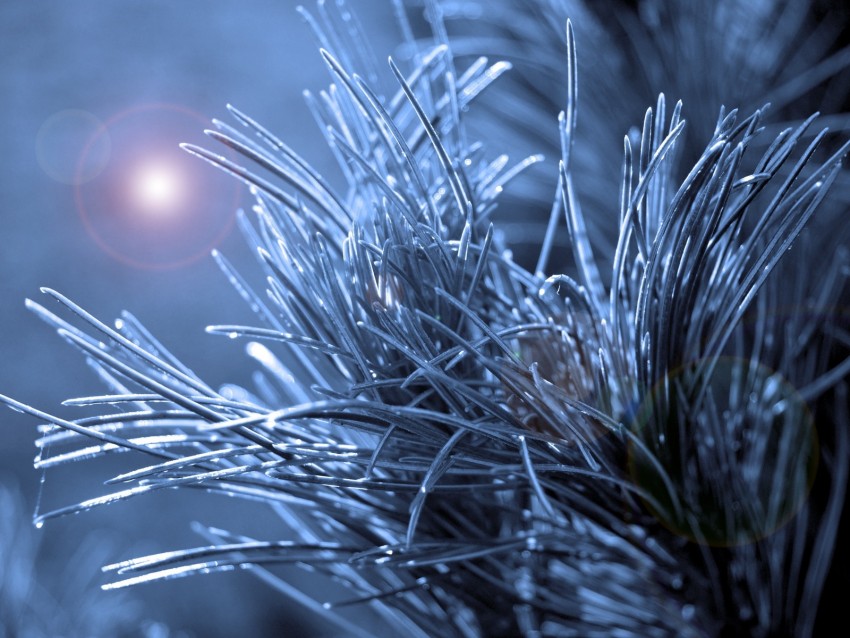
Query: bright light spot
x,y
156,188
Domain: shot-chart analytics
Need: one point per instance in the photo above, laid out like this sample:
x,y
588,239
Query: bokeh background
x,y
104,92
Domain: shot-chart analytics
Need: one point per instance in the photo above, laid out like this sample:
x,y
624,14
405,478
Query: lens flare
x,y
746,454
154,206
156,189
61,141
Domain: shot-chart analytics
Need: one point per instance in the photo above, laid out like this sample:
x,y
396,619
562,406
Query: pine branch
x,y
472,448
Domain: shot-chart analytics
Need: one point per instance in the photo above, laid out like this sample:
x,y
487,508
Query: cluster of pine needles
x,y
475,448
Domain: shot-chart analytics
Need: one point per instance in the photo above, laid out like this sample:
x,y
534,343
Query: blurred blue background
x,y
96,97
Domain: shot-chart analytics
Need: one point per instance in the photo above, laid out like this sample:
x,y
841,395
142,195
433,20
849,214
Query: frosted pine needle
x,y
732,52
